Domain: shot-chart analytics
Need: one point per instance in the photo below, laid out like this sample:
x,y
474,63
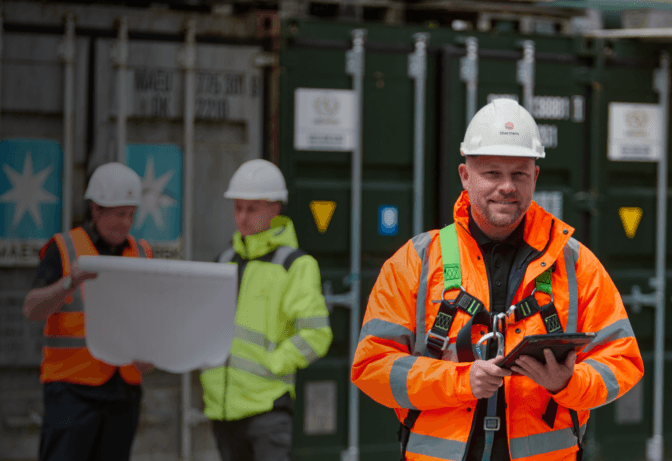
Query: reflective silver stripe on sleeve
x,y
399,380
433,446
618,330
571,253
383,329
254,337
65,342
281,254
227,255
77,305
304,347
546,442
420,243
141,250
256,369
610,381
311,322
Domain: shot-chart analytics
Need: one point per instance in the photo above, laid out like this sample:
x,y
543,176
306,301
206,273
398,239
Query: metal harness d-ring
x,y
443,293
550,294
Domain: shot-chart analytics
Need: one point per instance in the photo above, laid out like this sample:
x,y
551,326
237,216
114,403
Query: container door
x,y
319,181
623,234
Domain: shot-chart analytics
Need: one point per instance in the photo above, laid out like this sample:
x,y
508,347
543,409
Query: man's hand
x,y
553,376
486,376
79,276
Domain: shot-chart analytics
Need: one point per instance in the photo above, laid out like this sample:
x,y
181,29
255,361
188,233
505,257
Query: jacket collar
x,y
543,231
255,246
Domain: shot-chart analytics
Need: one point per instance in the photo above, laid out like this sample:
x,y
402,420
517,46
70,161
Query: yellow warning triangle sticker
x,y
322,212
630,217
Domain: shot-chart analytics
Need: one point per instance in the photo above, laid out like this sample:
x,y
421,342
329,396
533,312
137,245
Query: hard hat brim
x,y
504,151
280,197
110,204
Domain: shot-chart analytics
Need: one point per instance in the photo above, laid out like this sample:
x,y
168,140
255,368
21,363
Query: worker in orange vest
x,y
91,408
504,270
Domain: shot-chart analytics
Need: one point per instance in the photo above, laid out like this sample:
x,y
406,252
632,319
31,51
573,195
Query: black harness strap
x,y
465,351
437,342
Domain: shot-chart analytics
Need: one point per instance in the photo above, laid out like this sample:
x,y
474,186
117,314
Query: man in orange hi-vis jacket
x,y
91,408
506,269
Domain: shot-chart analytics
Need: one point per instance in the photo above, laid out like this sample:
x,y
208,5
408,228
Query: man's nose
x,y
507,185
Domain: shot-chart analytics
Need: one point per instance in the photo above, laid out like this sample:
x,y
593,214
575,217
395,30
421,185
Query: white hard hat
x,y
258,180
114,184
503,127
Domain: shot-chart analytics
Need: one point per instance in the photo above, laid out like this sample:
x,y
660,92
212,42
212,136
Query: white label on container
x,y
635,132
324,119
319,408
550,201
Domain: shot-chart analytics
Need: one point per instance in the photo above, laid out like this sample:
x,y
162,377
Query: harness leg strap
x,y
491,424
577,432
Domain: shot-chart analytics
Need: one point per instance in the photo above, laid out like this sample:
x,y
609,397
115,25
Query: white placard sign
x,y
178,315
324,119
635,132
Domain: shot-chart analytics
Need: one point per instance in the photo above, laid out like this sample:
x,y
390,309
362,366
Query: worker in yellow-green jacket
x,y
282,323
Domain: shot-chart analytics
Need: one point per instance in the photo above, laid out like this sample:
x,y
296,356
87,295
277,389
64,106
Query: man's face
x,y
500,190
113,223
254,216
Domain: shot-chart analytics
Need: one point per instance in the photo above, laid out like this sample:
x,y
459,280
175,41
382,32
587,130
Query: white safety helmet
x,y
257,180
505,128
114,184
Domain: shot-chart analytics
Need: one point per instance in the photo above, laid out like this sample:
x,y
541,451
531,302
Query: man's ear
x,y
94,209
464,174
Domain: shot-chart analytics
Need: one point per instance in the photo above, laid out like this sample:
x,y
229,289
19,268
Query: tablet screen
x,y
561,344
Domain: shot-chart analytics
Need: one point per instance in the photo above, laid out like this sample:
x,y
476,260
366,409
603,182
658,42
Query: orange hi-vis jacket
x,y
389,365
65,357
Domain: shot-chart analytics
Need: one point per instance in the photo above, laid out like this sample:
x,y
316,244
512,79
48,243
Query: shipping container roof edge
x,y
148,20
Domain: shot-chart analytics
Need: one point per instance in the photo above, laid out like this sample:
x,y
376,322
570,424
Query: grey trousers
x,y
264,437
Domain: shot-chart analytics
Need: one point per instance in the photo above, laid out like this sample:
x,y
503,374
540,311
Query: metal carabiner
x,y
498,320
500,343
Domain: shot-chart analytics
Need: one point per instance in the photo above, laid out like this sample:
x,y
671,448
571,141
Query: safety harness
x,y
437,339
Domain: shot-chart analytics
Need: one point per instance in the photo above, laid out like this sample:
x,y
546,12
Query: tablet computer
x,y
561,344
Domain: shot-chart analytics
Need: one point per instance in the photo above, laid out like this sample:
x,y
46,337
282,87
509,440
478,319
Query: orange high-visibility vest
x,y
66,357
389,365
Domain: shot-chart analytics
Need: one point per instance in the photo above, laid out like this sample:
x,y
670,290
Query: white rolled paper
x,y
178,315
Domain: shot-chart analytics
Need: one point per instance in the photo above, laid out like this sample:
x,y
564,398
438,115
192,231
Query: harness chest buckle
x,y
437,341
491,423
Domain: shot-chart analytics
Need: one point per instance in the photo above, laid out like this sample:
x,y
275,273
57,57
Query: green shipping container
x,y
575,80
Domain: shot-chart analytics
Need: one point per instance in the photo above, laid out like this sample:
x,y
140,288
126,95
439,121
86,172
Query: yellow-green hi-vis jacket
x,y
282,324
